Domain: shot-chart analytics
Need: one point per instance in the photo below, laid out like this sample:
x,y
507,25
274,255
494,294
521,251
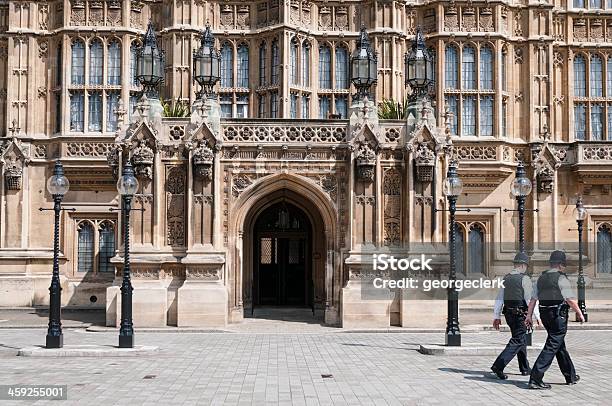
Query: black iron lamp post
x,y
207,65
364,65
58,186
419,66
150,62
452,189
581,214
127,185
521,188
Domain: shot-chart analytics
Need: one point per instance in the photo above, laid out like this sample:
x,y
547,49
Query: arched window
x,y
96,62
227,66
579,121
609,78
468,116
597,120
95,111
342,79
341,106
243,66
133,71
112,103
323,107
468,68
85,247
293,63
604,250
596,77
451,64
324,67
77,111
486,68
262,64
114,63
305,62
459,248
275,62
107,247
579,76
78,63
486,115
477,251
504,66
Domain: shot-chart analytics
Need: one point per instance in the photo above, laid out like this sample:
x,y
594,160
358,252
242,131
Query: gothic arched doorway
x,y
282,257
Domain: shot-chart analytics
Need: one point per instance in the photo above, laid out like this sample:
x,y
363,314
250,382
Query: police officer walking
x,y
514,298
554,292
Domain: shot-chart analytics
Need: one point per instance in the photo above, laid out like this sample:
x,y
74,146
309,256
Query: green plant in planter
x,y
390,109
175,108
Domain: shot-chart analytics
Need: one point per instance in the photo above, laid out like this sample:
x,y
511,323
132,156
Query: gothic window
x,y
323,107
77,111
225,100
112,103
305,62
96,62
293,107
469,87
592,115
114,63
596,77
342,106
468,68
78,63
107,246
470,243
486,68
579,76
579,3
85,247
504,67
342,79
227,66
262,64
504,119
242,106
133,53
595,4
95,111
306,106
59,73
95,245
325,67
274,104
261,106
275,62
243,66
293,63
604,249
451,67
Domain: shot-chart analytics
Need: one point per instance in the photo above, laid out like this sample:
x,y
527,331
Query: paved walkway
x,y
301,369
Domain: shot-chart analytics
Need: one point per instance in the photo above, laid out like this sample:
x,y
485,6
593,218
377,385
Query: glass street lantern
x,y
419,66
521,185
580,212
206,64
127,185
452,184
58,184
150,63
364,65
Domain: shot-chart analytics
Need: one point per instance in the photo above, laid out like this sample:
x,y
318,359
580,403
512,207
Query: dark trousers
x,y
516,345
556,327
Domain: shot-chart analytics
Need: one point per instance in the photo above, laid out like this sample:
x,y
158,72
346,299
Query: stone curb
x,y
472,349
87,351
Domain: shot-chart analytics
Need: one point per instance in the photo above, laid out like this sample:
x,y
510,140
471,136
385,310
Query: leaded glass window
x,y
486,115
468,68
114,63
325,67
85,247
596,76
323,106
243,66
95,112
77,111
107,247
451,68
96,63
305,64
486,68
342,106
451,104
476,249
293,63
580,121
468,116
293,108
227,66
112,103
275,62
342,79
597,121
604,249
579,76
78,63
262,64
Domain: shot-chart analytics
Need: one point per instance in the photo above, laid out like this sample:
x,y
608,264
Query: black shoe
x,y
574,381
538,385
499,374
526,372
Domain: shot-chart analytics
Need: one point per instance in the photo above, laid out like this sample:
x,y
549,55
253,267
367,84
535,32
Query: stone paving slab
x,y
473,349
86,350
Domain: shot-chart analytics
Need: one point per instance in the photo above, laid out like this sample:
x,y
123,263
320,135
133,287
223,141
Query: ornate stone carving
x,y
597,153
242,17
43,16
175,205
325,20
227,16
485,20
43,48
546,179
392,186
13,171
580,30
142,159
425,161
40,151
204,274
393,134
365,161
518,23
89,149
77,12
239,183
476,153
329,184
203,159
275,134
451,19
468,19
342,18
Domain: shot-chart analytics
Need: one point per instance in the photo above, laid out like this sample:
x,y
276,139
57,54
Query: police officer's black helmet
x,y
558,257
521,258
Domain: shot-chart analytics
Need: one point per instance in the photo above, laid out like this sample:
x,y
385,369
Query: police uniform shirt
x,y
564,286
527,295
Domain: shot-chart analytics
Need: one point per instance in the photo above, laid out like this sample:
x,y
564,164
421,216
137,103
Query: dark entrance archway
x,y
282,271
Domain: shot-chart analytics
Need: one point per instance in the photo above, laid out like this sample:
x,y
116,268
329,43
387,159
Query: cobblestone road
x,y
365,369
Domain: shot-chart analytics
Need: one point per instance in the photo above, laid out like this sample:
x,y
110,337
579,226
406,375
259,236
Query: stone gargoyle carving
x,y
203,159
365,159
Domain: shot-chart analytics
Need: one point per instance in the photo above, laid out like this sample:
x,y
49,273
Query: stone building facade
x,y
269,198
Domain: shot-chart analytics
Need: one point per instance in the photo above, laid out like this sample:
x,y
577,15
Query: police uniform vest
x,y
514,295
549,292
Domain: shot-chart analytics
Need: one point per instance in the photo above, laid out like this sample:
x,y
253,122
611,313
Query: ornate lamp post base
x,y
453,340
126,341
55,341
